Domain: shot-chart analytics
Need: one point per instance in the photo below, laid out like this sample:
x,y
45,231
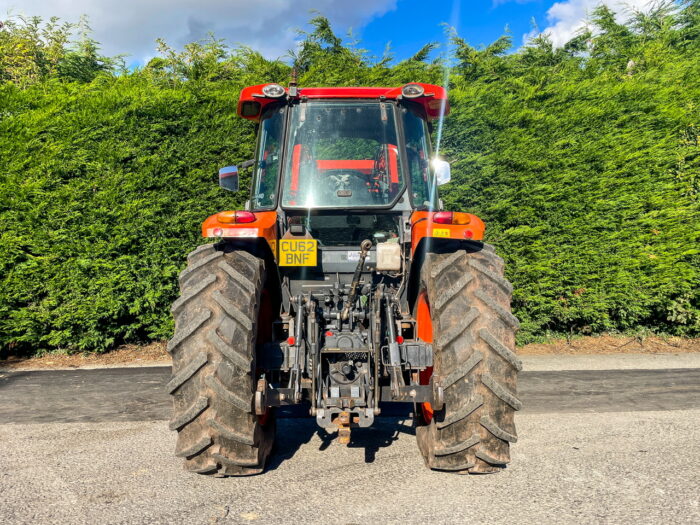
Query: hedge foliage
x,y
584,161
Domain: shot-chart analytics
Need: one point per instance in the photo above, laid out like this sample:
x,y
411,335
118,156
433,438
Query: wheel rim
x,y
424,328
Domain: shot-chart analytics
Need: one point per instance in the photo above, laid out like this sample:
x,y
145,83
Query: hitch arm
x,y
397,380
295,376
364,250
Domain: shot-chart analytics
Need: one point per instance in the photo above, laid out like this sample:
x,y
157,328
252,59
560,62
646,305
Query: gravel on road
x,y
615,467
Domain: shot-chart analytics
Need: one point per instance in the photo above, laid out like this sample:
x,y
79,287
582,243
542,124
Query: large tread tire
x,y
474,341
213,351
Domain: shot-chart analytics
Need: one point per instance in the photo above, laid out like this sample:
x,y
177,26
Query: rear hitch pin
x,y
343,423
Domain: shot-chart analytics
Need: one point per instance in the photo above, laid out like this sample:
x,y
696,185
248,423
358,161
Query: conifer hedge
x,y
584,161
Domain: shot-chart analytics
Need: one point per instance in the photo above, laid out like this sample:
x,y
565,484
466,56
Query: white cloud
x,y
566,19
131,26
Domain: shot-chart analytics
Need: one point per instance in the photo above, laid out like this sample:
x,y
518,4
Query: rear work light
x,y
273,91
412,90
450,217
236,217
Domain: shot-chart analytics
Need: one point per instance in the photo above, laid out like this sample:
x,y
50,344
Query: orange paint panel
x,y
393,163
264,226
357,165
296,163
422,226
424,327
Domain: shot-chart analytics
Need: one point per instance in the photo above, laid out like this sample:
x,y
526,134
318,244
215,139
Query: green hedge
x,y
584,165
103,191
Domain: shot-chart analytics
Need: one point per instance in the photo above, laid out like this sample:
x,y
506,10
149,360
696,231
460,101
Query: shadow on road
x,y
7,379
292,433
139,394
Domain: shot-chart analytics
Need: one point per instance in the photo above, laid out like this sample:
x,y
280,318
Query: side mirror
x,y
228,178
441,168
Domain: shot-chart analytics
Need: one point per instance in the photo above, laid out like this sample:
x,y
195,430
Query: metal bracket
x,y
432,393
344,420
261,397
408,394
438,402
266,396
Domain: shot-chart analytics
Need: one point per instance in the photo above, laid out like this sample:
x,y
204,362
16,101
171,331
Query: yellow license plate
x,y
298,252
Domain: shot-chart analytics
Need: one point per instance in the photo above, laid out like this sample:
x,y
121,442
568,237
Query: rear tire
x,y
475,363
213,351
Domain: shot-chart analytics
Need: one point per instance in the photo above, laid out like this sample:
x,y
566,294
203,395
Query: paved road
x,y
618,446
138,394
636,468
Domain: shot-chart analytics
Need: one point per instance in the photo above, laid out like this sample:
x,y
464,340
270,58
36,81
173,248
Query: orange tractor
x,y
342,286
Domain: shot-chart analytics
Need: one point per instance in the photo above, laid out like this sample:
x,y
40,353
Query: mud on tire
x,y
213,351
474,340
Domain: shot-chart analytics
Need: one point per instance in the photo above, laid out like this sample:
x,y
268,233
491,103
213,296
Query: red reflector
x,y
245,216
291,340
399,339
329,333
468,234
443,217
218,232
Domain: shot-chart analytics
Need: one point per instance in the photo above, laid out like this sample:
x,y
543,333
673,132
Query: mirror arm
x,y
246,164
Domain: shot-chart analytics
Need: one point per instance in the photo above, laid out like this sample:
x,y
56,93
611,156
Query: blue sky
x,y
270,26
480,22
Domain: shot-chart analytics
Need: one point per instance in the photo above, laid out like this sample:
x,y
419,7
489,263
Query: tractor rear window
x,y
423,187
342,155
264,193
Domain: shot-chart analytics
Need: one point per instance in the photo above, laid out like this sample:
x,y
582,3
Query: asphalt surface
x,y
601,446
138,394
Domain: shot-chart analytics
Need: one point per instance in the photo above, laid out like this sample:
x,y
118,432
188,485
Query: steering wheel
x,y
340,179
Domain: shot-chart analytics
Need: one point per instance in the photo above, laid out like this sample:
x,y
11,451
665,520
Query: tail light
x,y
443,217
449,217
236,217
245,216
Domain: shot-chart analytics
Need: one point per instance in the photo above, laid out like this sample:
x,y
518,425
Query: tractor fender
x,y
423,227
222,226
428,236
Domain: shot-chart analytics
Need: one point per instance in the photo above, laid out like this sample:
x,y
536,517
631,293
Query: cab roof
x,y
252,101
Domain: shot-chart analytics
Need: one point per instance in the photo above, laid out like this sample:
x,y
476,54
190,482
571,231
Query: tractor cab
x,y
338,166
343,148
